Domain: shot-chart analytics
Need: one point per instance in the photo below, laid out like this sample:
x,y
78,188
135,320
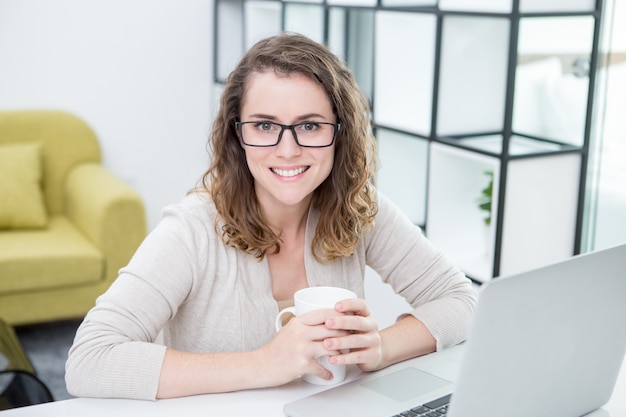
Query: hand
x,y
362,338
292,352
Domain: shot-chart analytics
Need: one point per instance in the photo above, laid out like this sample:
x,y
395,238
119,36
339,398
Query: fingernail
x,y
328,343
330,322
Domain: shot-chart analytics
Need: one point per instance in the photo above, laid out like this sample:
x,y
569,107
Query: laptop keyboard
x,y
435,408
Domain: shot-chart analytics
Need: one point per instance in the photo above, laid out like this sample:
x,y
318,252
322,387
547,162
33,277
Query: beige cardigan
x,y
205,296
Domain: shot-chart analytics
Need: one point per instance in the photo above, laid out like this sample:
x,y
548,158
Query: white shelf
x,y
518,145
455,222
539,213
540,209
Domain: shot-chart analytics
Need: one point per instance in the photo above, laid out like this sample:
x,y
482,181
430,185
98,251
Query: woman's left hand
x,y
363,345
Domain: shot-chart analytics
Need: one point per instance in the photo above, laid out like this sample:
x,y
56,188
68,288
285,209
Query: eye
x,y
265,126
309,126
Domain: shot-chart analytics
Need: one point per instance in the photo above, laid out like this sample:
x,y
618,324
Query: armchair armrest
x,y
108,211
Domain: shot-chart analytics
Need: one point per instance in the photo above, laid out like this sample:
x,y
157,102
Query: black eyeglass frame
x,y
336,128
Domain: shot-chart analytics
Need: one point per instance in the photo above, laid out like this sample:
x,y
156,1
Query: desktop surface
x,y
261,402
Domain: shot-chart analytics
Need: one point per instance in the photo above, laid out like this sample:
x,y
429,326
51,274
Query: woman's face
x,y
286,175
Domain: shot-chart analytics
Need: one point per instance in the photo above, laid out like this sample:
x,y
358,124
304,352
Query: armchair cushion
x,y
20,187
58,256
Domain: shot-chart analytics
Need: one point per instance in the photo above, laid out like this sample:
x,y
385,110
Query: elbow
x,y
76,377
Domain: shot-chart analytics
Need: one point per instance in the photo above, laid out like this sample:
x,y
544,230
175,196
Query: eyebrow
x,y
299,118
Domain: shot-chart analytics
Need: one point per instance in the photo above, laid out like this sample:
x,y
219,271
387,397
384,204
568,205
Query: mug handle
x,y
279,318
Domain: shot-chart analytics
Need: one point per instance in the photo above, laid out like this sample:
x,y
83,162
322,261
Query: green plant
x,y
484,201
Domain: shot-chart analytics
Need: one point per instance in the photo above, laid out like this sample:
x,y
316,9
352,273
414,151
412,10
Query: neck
x,y
289,221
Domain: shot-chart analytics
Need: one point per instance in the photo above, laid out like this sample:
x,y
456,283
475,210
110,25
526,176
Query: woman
x,y
287,203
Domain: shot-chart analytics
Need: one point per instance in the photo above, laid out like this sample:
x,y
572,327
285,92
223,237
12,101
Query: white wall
x,y
139,72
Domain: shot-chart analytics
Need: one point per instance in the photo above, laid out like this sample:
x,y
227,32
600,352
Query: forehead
x,y
274,93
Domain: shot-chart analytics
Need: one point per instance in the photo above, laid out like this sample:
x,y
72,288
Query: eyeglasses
x,y
306,134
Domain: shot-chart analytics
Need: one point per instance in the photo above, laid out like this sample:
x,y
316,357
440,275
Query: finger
x,y
352,341
316,317
356,306
315,332
319,371
359,356
352,323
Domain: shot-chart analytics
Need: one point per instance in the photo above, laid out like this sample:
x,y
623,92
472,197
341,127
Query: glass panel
x,y
606,194
337,31
404,70
402,174
361,48
229,38
541,6
263,19
351,37
353,2
306,19
552,82
495,6
409,2
474,62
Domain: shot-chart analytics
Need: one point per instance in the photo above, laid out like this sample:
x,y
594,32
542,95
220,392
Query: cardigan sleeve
x,y
114,353
440,294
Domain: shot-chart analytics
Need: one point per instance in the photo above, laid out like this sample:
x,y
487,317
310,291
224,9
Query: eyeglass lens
x,y
310,134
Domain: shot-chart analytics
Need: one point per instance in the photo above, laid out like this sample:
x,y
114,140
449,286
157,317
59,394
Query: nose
x,y
288,146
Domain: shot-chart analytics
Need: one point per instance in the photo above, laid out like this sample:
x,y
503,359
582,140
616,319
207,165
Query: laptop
x,y
548,342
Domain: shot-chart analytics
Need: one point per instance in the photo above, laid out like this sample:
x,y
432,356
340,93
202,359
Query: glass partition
x,y
404,70
403,171
495,6
543,6
351,37
228,37
472,85
552,77
409,3
353,2
306,19
262,19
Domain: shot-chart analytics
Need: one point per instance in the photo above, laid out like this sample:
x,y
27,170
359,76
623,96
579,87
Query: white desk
x,y
259,403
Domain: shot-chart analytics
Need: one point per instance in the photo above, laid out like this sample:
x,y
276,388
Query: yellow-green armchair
x,y
66,223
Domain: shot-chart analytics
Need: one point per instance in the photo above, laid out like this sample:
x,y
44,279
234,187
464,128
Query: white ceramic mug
x,y
318,298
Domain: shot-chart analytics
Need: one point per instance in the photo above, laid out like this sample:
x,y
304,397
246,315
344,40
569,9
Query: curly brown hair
x,y
346,199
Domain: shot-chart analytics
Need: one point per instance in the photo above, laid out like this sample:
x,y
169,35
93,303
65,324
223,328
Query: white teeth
x,y
289,172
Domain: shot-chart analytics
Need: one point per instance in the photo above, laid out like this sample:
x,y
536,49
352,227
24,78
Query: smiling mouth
x,y
287,173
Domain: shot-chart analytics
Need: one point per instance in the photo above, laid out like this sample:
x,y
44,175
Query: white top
x,y
209,297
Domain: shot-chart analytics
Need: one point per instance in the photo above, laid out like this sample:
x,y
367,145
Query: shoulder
x,y
192,220
389,212
197,206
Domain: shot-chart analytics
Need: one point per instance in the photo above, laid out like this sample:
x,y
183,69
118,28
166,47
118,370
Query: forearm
x,y
185,373
405,339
